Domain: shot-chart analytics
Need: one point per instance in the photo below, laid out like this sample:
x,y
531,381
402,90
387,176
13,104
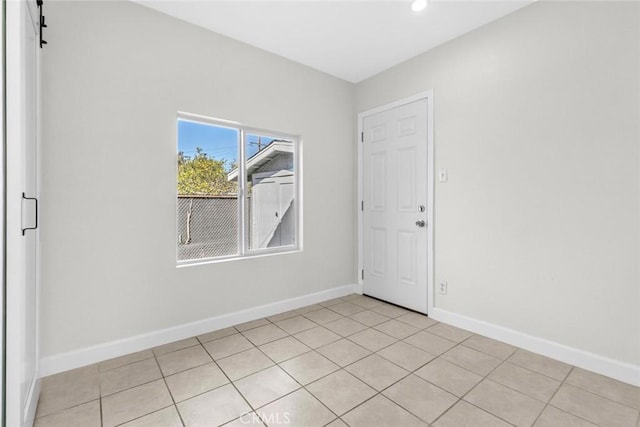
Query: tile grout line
x,y
280,367
150,413
140,384
586,391
591,393
552,396
164,380
506,361
380,392
302,387
339,369
100,396
461,398
547,403
235,388
148,382
101,416
599,395
162,377
536,372
290,358
519,391
122,366
562,382
117,367
70,407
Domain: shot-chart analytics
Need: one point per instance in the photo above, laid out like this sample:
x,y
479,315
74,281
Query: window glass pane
x,y
207,191
271,204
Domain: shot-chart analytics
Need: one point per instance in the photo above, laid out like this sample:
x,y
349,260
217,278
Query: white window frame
x,y
243,238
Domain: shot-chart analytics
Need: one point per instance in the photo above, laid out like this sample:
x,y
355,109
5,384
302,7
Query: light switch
x,y
443,176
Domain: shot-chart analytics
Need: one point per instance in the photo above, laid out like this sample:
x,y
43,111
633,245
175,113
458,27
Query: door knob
x,y
421,223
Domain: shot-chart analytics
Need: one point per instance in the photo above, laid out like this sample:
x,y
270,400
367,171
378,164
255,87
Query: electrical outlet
x,y
443,288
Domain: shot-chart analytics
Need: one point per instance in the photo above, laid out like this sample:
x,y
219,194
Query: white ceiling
x,y
349,39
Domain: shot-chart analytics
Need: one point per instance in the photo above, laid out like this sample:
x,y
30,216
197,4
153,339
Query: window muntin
x,y
218,163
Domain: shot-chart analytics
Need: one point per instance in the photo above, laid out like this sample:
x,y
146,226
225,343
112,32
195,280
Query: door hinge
x,y
362,205
362,274
361,136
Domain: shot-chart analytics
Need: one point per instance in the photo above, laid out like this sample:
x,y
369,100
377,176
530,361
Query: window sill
x,y
217,260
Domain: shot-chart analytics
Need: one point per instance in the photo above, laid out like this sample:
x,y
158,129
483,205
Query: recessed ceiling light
x,y
418,5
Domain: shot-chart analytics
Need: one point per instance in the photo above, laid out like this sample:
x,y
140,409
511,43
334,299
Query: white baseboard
x,y
75,359
621,371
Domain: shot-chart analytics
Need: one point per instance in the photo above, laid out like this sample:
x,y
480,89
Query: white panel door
x,y
395,205
22,359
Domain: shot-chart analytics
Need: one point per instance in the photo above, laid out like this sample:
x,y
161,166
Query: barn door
x,y
22,358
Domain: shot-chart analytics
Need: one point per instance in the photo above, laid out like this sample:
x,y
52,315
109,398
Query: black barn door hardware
x,y
24,197
42,23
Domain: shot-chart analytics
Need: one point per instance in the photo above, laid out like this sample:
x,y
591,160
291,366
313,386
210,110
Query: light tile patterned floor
x,y
349,361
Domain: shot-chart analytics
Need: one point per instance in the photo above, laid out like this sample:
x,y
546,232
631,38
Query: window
x,y
237,191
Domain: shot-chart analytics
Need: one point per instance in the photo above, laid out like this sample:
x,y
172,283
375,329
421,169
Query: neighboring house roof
x,y
263,157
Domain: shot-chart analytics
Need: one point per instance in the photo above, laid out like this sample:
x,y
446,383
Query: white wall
x,y
537,122
114,76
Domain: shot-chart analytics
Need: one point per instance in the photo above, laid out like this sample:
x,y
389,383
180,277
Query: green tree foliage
x,y
203,175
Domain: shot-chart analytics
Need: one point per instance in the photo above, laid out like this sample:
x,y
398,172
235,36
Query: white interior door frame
x,y
428,96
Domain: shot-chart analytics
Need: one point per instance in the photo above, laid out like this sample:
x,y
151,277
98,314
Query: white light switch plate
x,y
443,175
